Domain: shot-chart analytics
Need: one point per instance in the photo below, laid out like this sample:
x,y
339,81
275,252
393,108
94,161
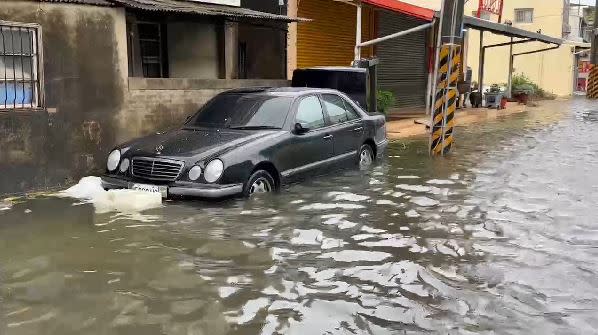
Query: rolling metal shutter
x,y
403,67
329,40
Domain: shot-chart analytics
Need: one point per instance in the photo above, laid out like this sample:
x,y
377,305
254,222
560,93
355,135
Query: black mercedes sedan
x,y
248,141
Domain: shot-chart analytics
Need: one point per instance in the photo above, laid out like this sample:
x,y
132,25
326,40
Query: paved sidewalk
x,y
416,126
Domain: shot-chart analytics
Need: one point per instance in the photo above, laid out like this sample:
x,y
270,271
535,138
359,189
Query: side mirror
x,y
300,128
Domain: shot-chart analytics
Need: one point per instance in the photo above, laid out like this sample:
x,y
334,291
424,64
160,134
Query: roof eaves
x,y
103,3
198,8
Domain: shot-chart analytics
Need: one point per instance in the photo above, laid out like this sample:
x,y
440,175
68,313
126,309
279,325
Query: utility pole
x,y
593,77
446,67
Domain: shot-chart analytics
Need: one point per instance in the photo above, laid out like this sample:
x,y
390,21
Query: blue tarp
x,y
15,94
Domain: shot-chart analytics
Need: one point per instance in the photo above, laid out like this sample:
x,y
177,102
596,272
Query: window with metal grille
x,y
151,45
524,15
20,66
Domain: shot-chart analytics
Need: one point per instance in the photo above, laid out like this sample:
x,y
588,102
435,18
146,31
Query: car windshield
x,y
243,111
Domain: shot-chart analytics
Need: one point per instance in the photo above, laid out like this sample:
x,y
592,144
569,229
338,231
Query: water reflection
x,y
499,237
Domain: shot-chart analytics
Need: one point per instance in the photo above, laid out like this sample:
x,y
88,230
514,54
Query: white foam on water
x,y
128,201
424,201
347,196
386,202
375,182
360,237
371,230
321,206
414,188
307,237
395,242
338,220
356,255
412,214
440,182
249,310
331,243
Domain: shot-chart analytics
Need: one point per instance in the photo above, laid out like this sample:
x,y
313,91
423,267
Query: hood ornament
x,y
159,149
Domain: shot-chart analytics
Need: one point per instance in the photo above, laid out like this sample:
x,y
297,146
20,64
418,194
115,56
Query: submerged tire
x,y
259,182
366,157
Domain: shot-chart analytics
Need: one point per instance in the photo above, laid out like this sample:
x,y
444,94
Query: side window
x,y
353,114
310,112
335,108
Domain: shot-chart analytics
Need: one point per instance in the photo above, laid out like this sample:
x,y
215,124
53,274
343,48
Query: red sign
x,y
492,7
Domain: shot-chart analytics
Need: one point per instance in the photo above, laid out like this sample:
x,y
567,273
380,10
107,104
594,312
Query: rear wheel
x,y
259,182
366,157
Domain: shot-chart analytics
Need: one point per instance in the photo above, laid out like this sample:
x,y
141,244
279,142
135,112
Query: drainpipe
x,y
481,63
358,33
510,79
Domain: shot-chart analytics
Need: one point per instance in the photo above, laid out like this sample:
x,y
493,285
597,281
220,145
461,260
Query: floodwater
x,y
499,238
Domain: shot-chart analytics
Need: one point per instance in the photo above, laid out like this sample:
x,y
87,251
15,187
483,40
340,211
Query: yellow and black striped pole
x,y
445,100
593,83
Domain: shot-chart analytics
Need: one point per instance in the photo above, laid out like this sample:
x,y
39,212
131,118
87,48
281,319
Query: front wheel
x,y
259,182
366,157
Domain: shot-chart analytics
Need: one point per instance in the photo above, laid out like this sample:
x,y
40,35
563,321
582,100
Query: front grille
x,y
156,168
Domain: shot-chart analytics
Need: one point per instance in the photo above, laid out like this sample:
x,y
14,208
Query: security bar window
x,y
20,59
151,41
524,15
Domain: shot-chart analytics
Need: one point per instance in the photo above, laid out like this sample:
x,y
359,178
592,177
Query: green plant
x,y
522,84
384,100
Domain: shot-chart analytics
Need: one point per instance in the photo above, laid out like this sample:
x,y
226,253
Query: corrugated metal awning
x,y
198,8
83,2
403,8
507,30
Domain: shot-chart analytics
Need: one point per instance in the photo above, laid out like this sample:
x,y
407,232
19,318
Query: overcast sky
x,y
584,2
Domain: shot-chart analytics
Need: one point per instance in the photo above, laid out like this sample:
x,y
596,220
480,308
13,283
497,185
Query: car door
x,y
346,128
310,150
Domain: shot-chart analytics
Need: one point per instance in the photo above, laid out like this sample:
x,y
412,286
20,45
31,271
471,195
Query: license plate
x,y
163,190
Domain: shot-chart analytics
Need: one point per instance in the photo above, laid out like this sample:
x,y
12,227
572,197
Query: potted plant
x,y
385,100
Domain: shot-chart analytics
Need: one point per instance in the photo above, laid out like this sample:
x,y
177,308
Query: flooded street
x,y
500,237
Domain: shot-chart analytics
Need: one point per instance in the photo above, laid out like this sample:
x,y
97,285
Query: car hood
x,y
191,142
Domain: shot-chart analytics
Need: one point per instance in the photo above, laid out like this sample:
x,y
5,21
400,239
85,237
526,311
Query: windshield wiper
x,y
254,127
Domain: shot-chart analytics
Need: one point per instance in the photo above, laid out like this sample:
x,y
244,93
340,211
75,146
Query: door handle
x,y
358,129
327,137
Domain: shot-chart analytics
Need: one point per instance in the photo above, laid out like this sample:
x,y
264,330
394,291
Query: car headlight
x,y
124,165
194,173
214,170
113,160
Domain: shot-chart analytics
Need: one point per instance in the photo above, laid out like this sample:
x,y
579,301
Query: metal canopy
x,y
506,30
198,8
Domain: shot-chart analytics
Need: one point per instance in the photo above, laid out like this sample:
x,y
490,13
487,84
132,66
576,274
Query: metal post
x,y
358,34
481,62
592,90
431,76
510,79
450,35
594,54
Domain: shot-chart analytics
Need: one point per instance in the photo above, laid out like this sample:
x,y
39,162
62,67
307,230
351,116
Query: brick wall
x,y
159,104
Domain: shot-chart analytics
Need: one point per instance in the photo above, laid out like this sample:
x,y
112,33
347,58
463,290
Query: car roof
x,y
281,91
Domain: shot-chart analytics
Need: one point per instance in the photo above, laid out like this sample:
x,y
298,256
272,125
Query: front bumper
x,y
181,188
381,147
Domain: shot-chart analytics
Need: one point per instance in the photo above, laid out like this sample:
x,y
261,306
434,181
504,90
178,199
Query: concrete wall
x,y
85,69
193,50
551,70
159,104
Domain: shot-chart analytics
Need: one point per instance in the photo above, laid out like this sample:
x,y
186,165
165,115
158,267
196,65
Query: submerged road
x,y
499,238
